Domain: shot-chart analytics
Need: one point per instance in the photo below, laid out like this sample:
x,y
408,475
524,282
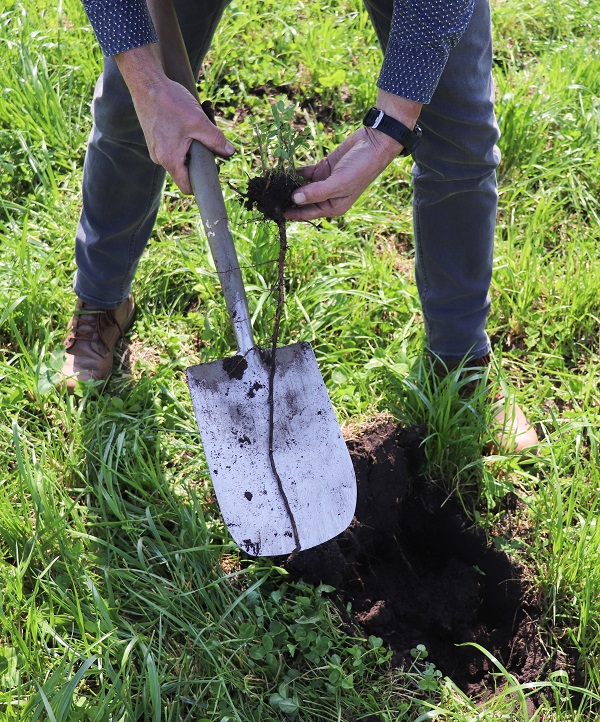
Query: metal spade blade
x,y
311,495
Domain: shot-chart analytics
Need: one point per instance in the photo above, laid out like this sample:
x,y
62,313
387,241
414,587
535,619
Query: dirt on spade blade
x,y
416,571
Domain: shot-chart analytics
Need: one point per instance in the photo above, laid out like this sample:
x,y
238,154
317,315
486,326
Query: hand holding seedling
x,y
339,179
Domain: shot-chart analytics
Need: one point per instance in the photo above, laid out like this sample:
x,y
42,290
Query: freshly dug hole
x,y
416,572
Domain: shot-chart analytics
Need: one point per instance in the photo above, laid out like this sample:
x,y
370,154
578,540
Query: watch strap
x,y
377,119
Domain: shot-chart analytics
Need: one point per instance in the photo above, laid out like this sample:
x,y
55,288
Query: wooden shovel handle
x,y
172,48
204,179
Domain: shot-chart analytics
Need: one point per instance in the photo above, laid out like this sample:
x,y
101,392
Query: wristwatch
x,y
394,128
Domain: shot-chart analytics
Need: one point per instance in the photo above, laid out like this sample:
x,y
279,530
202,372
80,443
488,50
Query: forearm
x,y
173,53
145,67
142,69
402,109
125,26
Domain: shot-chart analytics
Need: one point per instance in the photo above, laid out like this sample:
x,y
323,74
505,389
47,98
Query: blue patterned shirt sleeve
x,y
421,36
120,24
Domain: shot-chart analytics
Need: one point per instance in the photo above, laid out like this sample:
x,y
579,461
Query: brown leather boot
x,y
510,430
93,336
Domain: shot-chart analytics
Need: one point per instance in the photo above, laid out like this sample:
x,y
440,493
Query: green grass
x,y
121,594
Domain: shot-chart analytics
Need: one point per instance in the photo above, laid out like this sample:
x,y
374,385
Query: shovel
x,y
279,466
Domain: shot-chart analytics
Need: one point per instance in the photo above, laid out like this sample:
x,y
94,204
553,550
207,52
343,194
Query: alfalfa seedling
x,y
278,142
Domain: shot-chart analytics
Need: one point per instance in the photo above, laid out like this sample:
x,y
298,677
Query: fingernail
x,y
229,149
299,198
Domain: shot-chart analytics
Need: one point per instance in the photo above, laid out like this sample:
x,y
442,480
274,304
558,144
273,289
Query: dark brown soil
x,y
417,572
271,194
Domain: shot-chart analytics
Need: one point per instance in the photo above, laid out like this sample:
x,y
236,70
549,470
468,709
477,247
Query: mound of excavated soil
x,y
417,572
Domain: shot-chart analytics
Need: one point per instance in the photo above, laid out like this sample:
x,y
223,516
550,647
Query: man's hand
x,y
336,181
170,116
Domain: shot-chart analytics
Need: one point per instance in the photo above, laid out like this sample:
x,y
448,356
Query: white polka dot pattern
x,y
421,36
120,24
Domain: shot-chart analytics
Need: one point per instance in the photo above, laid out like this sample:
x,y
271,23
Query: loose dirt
x,y
416,571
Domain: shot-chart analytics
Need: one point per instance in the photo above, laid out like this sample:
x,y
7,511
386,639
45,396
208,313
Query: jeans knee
x,y
468,154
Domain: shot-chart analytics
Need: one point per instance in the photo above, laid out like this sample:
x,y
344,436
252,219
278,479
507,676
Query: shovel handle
x,y
209,197
205,179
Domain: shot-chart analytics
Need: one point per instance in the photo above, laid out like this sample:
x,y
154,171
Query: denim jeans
x,y
122,186
455,195
454,178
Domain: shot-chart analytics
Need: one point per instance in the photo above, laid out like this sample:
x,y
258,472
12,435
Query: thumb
x,y
210,136
318,192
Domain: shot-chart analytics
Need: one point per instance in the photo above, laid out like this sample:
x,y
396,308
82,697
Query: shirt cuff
x,y
120,24
412,71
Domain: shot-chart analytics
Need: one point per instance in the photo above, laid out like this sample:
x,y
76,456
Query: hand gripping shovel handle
x,y
209,197
205,179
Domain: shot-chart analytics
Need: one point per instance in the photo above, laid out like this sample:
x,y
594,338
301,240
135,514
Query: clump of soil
x,y
271,194
417,572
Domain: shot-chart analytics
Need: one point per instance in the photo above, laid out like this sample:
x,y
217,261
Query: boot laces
x,y
89,324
